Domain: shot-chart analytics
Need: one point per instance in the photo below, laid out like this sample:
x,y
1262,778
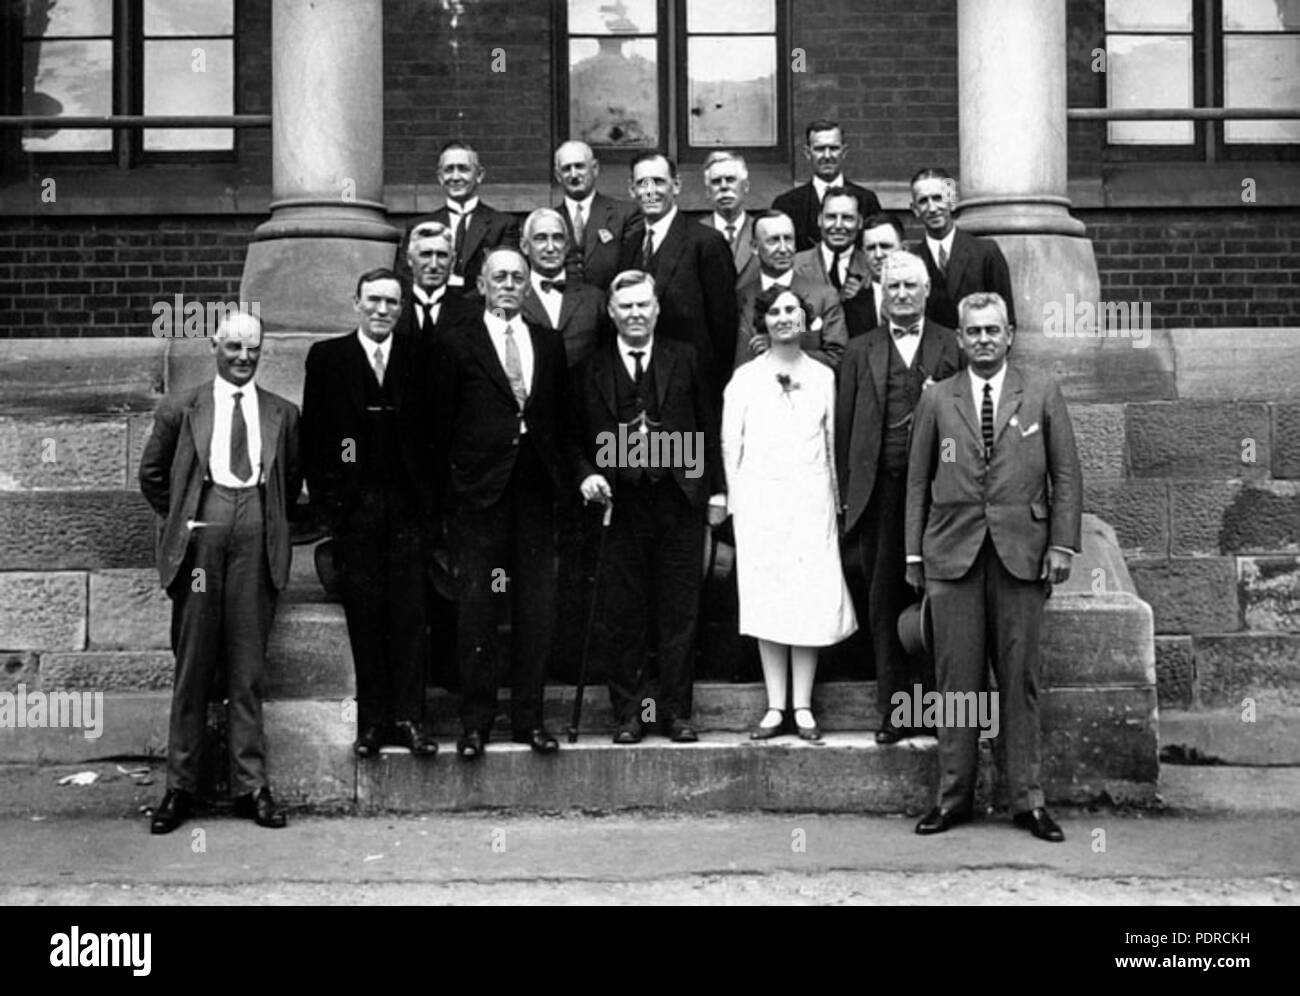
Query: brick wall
x,y
889,76
102,276
439,85
1204,268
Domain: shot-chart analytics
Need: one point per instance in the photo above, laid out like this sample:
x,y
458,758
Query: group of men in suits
x,y
470,399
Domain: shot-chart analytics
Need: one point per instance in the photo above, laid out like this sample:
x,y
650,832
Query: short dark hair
x,y
821,124
646,156
767,298
456,143
842,192
769,215
929,173
886,218
379,273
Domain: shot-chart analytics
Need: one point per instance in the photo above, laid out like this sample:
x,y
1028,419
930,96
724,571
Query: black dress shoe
x,y
761,732
171,812
682,732
629,733
470,745
938,820
260,808
409,735
1040,824
369,742
807,732
538,738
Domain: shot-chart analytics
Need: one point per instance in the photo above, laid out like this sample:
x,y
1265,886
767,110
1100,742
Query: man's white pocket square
x,y
605,236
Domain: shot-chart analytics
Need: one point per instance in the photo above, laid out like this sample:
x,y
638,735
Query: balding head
x,y
237,346
576,169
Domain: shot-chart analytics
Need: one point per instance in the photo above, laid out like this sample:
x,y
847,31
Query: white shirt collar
x,y
977,385
946,242
785,280
497,325
821,186
223,387
571,205
626,352
660,227
435,298
368,346
721,223
456,208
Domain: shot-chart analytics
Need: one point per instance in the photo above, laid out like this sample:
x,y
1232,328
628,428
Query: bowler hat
x,y
916,628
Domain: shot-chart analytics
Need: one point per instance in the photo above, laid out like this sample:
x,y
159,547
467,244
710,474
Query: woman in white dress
x,y
779,451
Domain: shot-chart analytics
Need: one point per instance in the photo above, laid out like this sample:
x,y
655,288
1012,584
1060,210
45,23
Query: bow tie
x,y
899,331
551,285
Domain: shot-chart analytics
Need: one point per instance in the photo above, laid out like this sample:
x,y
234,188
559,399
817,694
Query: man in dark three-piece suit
x,y
500,398
994,499
573,309
694,274
369,470
475,228
881,379
221,468
428,309
641,386
602,231
959,263
824,148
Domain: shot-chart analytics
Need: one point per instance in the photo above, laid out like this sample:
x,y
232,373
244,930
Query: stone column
x,y
1011,70
327,221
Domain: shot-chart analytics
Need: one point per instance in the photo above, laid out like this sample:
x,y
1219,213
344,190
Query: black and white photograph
x,y
651,453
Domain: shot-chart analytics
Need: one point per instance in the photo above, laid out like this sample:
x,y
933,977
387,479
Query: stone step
x,y
724,771
1231,736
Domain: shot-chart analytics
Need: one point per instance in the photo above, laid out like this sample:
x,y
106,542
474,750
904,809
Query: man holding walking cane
x,y
647,433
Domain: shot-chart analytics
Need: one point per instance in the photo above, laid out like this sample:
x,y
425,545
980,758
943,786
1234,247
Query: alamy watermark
x,y
1073,319
182,319
99,950
53,710
953,710
636,446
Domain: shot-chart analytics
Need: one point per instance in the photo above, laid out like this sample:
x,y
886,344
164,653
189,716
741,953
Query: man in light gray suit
x,y
994,501
726,181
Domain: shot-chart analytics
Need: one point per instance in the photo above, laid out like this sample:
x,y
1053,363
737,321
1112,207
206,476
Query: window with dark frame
x,y
1203,53
688,76
154,57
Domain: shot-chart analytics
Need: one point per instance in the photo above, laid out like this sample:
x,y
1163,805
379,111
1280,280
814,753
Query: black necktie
x,y
552,285
986,421
240,465
639,372
459,238
426,307
836,282
647,250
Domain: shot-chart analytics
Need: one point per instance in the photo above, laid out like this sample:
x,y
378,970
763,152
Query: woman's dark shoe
x,y
766,732
809,732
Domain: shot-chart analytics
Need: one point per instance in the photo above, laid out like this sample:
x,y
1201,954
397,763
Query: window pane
x,y
730,16
188,77
1148,15
600,17
614,91
51,18
1261,15
1149,71
185,17
68,77
1261,71
732,87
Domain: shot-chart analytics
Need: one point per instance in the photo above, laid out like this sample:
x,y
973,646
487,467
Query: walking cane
x,y
591,621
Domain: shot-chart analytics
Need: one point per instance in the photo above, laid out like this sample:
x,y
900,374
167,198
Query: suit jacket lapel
x,y
878,360
398,365
568,304
670,251
931,351
961,397
358,368
661,361
958,260
532,308
604,376
744,244
1008,401
269,422
201,417
480,340
474,234
601,211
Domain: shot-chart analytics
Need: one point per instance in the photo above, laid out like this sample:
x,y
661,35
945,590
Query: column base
x,y
308,284
1061,326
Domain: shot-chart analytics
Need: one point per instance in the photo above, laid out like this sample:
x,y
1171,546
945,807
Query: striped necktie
x,y
986,421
